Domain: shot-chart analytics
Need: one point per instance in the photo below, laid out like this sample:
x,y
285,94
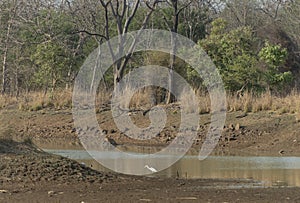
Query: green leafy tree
x,y
233,54
274,57
51,60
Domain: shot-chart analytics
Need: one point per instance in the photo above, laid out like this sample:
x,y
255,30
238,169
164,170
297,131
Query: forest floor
x,y
30,175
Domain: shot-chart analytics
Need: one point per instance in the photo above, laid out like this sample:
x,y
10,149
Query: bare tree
x,y
9,9
290,16
196,17
123,13
118,14
173,27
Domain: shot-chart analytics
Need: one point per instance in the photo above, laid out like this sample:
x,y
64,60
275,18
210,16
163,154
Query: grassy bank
x,y
248,102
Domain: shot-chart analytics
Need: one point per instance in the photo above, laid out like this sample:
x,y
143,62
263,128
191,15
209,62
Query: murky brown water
x,y
268,171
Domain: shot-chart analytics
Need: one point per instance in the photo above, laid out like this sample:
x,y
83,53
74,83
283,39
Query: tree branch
x,y
129,19
90,33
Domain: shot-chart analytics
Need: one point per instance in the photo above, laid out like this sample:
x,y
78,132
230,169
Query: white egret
x,y
151,169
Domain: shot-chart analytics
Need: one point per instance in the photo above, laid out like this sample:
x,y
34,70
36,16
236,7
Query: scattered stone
x,y
173,127
51,193
197,141
111,141
237,127
3,191
186,198
233,138
241,116
281,151
145,200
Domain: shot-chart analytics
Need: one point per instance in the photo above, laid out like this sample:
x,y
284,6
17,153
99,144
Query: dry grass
x,y
132,99
7,101
36,101
149,97
264,102
189,102
203,102
250,103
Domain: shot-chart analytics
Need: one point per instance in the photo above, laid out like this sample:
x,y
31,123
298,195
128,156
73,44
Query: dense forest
x,y
254,44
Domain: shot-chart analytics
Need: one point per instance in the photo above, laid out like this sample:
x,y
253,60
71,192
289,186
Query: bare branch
x,y
129,19
91,34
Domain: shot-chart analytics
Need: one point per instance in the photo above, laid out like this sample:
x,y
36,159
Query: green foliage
x,y
274,57
233,54
46,50
51,60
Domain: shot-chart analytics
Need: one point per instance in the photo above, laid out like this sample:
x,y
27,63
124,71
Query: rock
x,y
231,127
242,115
111,141
51,192
173,127
197,141
281,151
237,126
113,131
145,200
233,138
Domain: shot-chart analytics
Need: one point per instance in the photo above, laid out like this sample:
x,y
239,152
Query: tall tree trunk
x,y
17,82
123,13
118,75
97,68
170,97
4,63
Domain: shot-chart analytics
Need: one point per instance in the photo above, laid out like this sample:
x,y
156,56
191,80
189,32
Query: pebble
x,y
51,192
231,127
237,127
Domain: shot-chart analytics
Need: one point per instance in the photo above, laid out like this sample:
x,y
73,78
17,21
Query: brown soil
x,y
263,133
30,175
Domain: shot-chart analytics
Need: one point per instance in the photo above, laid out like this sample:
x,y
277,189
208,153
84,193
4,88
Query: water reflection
x,y
272,171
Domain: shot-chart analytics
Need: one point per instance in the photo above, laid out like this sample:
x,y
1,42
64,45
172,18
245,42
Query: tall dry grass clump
x,y
135,99
203,102
249,102
35,101
192,102
243,102
103,98
148,97
263,102
6,100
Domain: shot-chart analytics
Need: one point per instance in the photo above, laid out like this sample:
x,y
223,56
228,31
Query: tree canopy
x,y
254,44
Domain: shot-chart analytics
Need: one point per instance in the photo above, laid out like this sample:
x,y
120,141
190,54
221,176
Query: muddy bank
x,y
31,175
262,133
23,163
137,189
